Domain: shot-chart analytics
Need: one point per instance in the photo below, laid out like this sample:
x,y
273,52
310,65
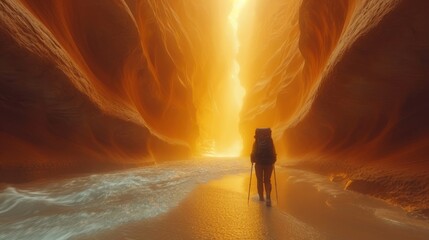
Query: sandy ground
x,y
309,207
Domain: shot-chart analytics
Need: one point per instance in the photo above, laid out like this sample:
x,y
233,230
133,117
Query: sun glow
x,y
237,90
222,137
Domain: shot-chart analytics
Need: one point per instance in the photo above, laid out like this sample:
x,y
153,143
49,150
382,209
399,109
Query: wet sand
x,y
310,207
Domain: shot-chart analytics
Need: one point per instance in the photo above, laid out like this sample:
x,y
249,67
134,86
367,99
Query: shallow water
x,y
171,201
67,208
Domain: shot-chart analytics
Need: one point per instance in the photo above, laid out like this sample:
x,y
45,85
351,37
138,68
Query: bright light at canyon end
x,y
237,89
237,92
219,119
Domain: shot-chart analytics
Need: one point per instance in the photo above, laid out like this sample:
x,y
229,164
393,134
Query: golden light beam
x,y
237,91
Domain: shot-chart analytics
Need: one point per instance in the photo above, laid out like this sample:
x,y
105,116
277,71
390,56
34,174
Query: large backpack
x,y
263,149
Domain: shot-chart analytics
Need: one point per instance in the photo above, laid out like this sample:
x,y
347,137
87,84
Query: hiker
x,y
264,156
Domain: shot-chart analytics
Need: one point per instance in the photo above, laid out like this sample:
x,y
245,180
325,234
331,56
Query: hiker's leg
x,y
259,180
268,170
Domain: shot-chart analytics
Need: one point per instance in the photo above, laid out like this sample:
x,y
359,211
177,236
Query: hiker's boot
x,y
268,202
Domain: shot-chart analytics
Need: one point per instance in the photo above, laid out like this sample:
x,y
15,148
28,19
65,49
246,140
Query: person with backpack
x,y
264,156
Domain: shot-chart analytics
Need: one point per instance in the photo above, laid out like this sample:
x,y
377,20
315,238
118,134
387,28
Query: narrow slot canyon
x,y
91,87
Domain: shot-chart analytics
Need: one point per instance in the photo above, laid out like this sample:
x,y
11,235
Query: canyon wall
x,y
344,86
88,85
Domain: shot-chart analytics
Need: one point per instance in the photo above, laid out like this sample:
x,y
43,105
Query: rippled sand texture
x,y
345,84
200,199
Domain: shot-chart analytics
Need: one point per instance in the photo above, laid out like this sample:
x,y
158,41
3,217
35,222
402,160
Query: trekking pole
x,y
250,182
275,181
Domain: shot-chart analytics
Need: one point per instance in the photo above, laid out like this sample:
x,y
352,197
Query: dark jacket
x,y
263,151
